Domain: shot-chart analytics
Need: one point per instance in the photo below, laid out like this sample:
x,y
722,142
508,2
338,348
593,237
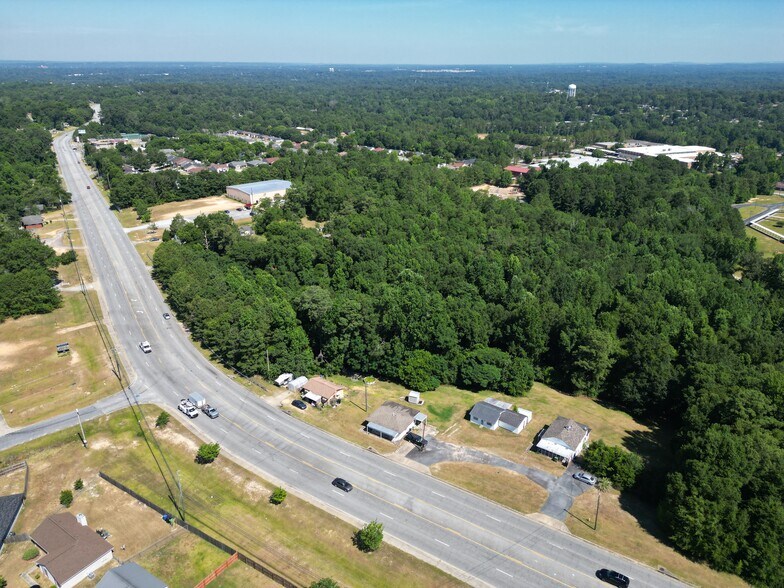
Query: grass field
x,y
225,500
768,199
631,529
748,211
504,487
34,382
159,212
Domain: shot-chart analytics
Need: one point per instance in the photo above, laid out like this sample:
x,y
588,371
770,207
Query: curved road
x,y
474,539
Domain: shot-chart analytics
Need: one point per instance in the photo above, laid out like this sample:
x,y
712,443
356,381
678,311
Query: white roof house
x,y
253,192
564,439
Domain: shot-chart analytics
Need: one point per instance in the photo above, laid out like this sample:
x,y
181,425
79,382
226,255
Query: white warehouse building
x,y
255,191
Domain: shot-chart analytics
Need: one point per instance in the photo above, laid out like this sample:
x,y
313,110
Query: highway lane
x,y
473,538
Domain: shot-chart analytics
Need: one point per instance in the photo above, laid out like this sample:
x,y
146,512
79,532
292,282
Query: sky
x,y
394,31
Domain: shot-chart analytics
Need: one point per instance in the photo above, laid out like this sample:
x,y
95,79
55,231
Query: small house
x,y
321,391
130,575
520,170
563,439
72,550
32,221
491,414
391,421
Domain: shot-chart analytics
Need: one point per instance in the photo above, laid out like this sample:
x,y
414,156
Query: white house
x,y
391,421
73,550
491,414
564,439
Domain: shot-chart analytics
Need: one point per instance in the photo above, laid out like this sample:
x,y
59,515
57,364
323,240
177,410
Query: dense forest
x,y
633,284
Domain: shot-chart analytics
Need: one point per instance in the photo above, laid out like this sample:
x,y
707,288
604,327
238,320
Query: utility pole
x,y
179,488
596,519
268,372
365,382
84,437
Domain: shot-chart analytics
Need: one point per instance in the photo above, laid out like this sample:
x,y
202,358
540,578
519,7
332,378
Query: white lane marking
x,y
437,494
338,492
293,470
502,571
442,543
495,519
257,451
389,473
344,453
304,435
270,417
386,515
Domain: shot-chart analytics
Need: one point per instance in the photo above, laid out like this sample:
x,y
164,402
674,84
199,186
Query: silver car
x,y
586,478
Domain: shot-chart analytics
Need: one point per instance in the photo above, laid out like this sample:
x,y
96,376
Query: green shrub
x,y
613,463
323,583
66,498
208,453
30,553
78,485
162,420
369,537
278,496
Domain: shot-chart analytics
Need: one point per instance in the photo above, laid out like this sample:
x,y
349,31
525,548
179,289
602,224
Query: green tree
x,y
611,462
322,583
79,484
162,420
420,371
207,453
278,496
66,498
369,537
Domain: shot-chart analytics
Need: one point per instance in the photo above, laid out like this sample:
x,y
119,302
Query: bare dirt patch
x,y
192,207
503,193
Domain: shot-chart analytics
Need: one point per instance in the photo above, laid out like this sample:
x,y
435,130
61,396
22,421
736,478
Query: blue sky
x,y
393,31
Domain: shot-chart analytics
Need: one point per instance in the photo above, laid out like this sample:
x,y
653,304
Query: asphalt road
x,y
476,540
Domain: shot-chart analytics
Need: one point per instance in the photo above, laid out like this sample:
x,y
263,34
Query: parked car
x,y
145,346
227,211
342,484
240,209
210,411
613,577
417,440
187,408
166,315
585,478
88,187
299,404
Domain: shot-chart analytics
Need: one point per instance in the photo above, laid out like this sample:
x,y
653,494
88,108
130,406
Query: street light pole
x,y
84,437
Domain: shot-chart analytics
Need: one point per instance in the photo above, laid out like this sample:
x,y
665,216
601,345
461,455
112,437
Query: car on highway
x,y
342,484
613,577
299,404
417,440
186,407
145,346
210,411
166,316
585,478
88,187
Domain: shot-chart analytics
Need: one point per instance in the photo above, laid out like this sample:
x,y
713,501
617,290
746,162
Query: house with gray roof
x,y
564,439
33,221
391,421
130,575
491,414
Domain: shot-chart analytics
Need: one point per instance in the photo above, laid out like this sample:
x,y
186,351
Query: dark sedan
x,y
299,404
613,577
342,484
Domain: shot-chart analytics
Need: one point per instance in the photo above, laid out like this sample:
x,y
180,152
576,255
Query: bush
x,y
67,257
278,496
162,420
613,463
369,537
208,453
78,485
3,582
30,553
66,498
323,583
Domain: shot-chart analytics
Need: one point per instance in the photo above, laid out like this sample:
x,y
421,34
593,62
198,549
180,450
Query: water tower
x,y
571,91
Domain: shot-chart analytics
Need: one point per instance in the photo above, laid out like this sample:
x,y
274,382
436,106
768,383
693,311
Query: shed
x,y
296,384
391,421
414,398
73,551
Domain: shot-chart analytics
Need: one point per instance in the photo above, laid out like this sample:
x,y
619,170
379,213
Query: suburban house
x,y
73,550
563,439
218,167
491,414
129,169
321,391
10,507
391,421
130,575
254,191
33,221
238,165
520,170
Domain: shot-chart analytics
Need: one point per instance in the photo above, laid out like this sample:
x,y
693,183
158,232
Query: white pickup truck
x,y
186,407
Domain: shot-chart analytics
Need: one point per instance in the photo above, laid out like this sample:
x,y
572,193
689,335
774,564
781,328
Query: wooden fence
x,y
217,571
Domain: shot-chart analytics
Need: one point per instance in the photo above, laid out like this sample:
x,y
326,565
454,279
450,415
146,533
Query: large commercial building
x,y
686,154
255,191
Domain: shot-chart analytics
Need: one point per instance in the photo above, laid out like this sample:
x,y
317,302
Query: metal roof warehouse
x,y
253,192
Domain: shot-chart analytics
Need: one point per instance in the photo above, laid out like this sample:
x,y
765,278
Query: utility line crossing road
x,y
474,539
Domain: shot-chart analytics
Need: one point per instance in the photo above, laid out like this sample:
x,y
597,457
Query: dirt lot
x,y
503,193
169,210
35,383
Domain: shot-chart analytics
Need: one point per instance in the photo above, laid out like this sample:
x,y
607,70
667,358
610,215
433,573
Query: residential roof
x,y
263,187
322,387
486,412
395,417
513,419
567,430
32,219
518,169
9,507
129,575
69,546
